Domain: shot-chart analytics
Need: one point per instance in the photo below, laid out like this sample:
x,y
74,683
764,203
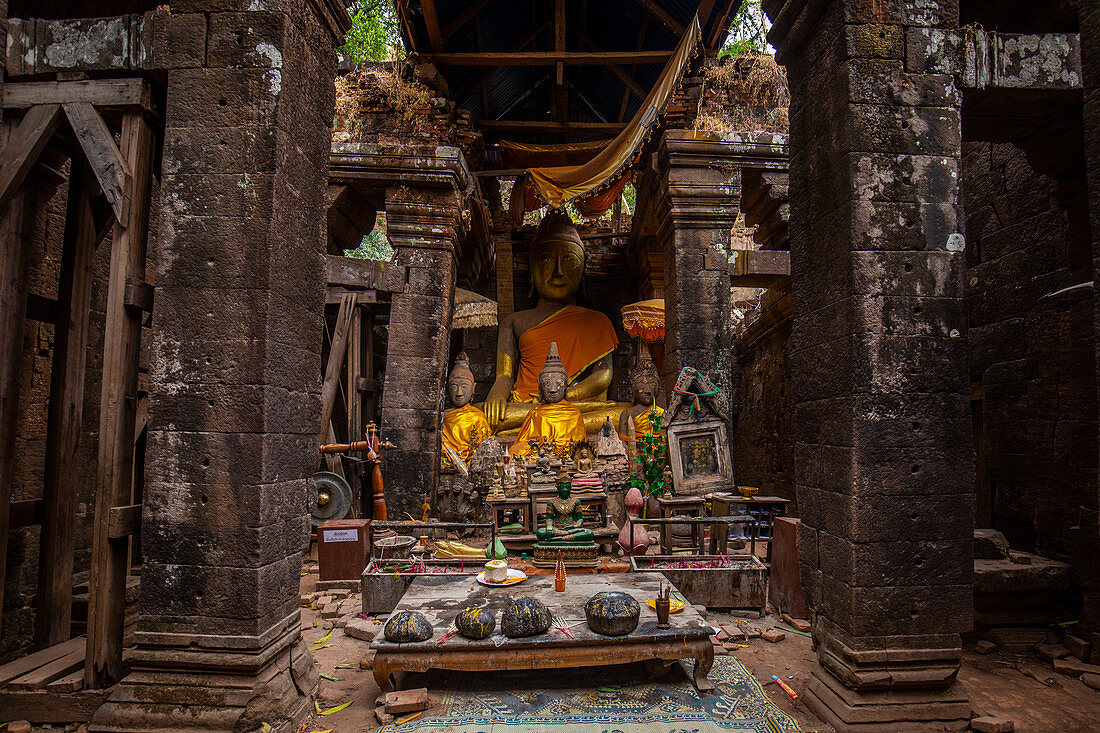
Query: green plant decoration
x,y
652,458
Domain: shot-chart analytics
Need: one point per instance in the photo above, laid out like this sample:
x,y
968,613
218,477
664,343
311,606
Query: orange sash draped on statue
x,y
583,337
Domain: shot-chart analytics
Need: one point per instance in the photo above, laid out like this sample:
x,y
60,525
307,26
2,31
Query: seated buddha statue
x,y
585,337
554,422
635,421
464,426
563,518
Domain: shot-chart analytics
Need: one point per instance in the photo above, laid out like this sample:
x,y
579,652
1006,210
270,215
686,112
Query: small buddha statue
x,y
464,426
636,420
555,421
586,338
563,518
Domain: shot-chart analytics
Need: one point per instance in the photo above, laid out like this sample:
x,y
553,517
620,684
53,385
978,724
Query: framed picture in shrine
x,y
700,457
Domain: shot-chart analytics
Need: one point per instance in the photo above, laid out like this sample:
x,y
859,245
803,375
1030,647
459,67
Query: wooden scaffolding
x,y
107,130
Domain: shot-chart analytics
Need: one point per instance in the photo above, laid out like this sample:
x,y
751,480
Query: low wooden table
x,y
440,600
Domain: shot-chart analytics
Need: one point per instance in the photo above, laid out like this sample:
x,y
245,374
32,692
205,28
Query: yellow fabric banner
x,y
560,185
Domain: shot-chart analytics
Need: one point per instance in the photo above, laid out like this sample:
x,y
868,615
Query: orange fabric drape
x,y
594,185
583,337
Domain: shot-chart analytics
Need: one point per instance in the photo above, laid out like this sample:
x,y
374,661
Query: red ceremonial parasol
x,y
645,320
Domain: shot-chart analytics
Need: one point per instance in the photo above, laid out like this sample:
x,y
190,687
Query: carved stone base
x,y
898,711
574,556
196,690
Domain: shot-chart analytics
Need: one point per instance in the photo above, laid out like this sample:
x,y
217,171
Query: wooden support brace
x,y
336,353
123,521
24,146
106,161
100,92
118,413
139,295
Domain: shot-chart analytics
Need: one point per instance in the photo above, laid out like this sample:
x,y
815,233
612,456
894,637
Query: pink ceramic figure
x,y
639,543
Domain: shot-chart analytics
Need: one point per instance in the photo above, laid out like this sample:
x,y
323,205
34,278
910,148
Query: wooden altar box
x,y
342,548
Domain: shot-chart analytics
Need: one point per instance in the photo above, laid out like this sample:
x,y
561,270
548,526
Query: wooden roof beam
x,y
560,98
538,126
662,15
633,69
470,11
615,69
549,58
431,20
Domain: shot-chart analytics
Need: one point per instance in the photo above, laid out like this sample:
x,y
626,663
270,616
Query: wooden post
x,y
353,396
336,352
15,240
118,408
62,475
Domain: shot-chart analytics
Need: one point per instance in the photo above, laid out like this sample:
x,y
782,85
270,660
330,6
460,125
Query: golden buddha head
x,y
557,258
460,385
553,379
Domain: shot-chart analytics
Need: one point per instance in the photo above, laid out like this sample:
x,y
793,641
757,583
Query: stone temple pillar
x,y
425,229
883,451
698,204
235,383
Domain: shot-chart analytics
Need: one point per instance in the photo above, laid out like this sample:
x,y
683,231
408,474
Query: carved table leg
x,y
383,674
704,660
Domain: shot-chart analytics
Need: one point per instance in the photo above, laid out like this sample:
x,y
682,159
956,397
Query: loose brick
x,y
407,701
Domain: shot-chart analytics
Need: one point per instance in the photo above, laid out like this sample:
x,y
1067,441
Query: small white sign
x,y
341,535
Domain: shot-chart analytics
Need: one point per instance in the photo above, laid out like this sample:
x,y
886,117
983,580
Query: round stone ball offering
x,y
475,622
612,613
406,627
525,616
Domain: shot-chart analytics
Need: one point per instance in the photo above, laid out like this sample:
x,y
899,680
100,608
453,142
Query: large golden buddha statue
x,y
585,337
554,421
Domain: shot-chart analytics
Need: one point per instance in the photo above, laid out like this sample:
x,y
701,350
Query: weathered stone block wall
x,y
1030,347
763,440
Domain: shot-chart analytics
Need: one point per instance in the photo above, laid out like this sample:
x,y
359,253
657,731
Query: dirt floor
x,y
997,684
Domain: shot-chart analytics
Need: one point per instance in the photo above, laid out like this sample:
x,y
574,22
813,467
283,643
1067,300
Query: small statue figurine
x,y
464,426
554,421
634,422
563,518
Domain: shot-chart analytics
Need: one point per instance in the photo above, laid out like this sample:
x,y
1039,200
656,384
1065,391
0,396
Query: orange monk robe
x,y
583,337
463,430
560,422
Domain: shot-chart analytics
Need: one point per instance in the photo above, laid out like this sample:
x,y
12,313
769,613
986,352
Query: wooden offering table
x,y
568,643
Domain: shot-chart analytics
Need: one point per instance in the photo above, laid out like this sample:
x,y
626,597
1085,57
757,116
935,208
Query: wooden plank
x,y
53,608
118,407
598,128
31,662
124,521
139,296
367,274
354,373
549,58
15,247
100,92
24,146
69,683
662,15
106,161
334,294
335,361
38,678
44,706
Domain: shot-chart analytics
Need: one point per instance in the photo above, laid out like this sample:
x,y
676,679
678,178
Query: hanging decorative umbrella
x,y
645,320
473,311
